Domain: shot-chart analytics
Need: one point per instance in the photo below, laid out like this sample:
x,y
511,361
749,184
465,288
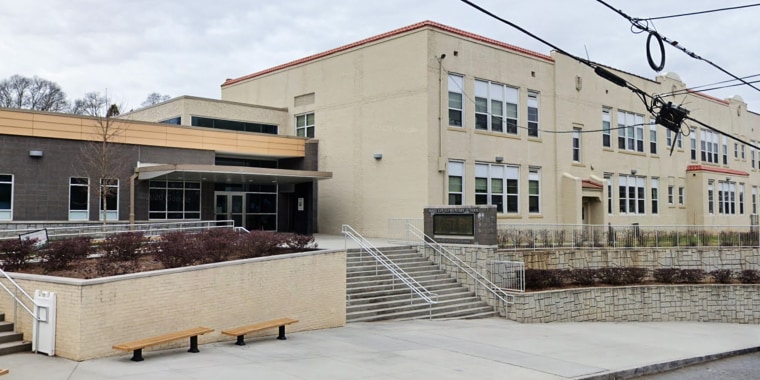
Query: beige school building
x,y
431,115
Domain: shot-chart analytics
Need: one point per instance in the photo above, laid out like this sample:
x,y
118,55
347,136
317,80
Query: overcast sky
x,y
189,47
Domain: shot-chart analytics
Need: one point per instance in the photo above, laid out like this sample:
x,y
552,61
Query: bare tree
x,y
104,159
154,98
32,93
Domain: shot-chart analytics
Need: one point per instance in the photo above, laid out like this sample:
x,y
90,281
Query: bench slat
x,y
152,341
242,330
3,371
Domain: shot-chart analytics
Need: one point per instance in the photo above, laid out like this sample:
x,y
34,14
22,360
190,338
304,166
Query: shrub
x,y
300,242
536,279
261,243
633,275
611,275
692,276
666,275
61,253
722,276
125,246
177,249
749,276
582,276
16,253
217,244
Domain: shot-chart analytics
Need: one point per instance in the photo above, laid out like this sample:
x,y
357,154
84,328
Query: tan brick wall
x,y
93,315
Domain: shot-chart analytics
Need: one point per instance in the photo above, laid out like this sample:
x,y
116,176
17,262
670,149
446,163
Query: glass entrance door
x,y
229,206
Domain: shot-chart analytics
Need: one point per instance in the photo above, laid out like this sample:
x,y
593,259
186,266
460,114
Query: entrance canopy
x,y
229,174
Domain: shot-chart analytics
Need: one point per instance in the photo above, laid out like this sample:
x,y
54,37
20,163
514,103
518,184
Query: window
x,y
710,197
534,190
752,157
533,114
743,152
305,125
668,138
655,195
175,121
495,107
576,144
653,138
174,200
736,150
726,197
709,146
456,186
670,195
693,138
6,196
741,198
79,198
609,193
232,125
630,131
754,199
725,150
681,196
606,132
456,106
110,188
631,192
679,141
490,186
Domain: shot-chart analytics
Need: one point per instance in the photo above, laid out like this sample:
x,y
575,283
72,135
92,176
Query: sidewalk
x,y
458,349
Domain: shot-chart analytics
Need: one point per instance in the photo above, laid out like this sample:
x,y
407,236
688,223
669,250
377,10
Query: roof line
x,y
392,33
708,97
714,169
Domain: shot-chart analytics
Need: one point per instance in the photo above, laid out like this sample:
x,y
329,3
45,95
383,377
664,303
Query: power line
x,y
699,12
690,90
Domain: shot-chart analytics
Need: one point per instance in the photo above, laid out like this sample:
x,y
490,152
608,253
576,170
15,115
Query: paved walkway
x,y
491,348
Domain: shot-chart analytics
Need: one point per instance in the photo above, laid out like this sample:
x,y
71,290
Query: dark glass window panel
x,y
174,215
261,222
174,121
481,199
533,204
498,201
231,125
192,200
157,200
157,184
6,190
261,203
481,121
192,215
455,199
606,140
481,105
6,178
532,129
78,198
157,215
512,126
176,185
111,201
192,185
455,118
511,203
174,200
497,124
78,181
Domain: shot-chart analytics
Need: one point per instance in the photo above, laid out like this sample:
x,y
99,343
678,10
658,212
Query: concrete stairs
x,y
373,294
11,342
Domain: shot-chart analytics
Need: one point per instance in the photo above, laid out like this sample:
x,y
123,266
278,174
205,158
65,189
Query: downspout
x,y
132,179
441,166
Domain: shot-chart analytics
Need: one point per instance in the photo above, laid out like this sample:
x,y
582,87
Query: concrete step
x,y
373,288
387,279
10,336
401,300
372,270
13,347
442,310
401,294
370,261
6,326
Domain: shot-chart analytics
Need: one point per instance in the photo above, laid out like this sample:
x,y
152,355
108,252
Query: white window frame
x,y
577,144
754,200
630,131
725,150
534,176
456,87
710,197
655,195
652,138
606,127
693,150
505,173
78,215
610,198
670,195
681,196
7,214
709,147
726,198
456,169
740,187
305,126
533,122
626,183
500,108
108,214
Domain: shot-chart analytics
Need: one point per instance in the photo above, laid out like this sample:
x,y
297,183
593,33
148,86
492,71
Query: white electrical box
x,y
43,334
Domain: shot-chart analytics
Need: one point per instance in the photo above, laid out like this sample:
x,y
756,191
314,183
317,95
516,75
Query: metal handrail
x,y
466,268
18,287
392,267
100,230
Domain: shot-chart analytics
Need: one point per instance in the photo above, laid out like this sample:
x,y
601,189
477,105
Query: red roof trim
x,y
589,184
707,96
392,33
713,169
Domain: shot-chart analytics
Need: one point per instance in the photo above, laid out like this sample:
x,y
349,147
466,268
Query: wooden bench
x,y
240,332
138,345
3,372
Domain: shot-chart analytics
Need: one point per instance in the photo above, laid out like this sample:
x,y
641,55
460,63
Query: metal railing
x,y
509,275
17,301
101,231
479,280
398,273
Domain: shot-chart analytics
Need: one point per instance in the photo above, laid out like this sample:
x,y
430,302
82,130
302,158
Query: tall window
x,y
6,196
752,157
742,150
631,191
79,198
456,179
495,107
174,200
630,131
754,199
456,106
668,138
681,196
653,138
497,185
741,198
606,126
532,114
609,193
110,188
305,125
725,150
693,138
736,150
726,197
655,195
679,140
534,190
670,195
576,144
709,146
710,197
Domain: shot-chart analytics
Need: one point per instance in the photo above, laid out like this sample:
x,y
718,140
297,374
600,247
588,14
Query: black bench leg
x,y
240,340
282,333
193,344
137,355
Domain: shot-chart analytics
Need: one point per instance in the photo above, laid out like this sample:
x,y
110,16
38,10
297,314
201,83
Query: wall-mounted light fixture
x,y
633,171
499,158
378,156
35,153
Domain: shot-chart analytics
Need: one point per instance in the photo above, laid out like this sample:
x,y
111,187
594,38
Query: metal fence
x,y
508,275
100,230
